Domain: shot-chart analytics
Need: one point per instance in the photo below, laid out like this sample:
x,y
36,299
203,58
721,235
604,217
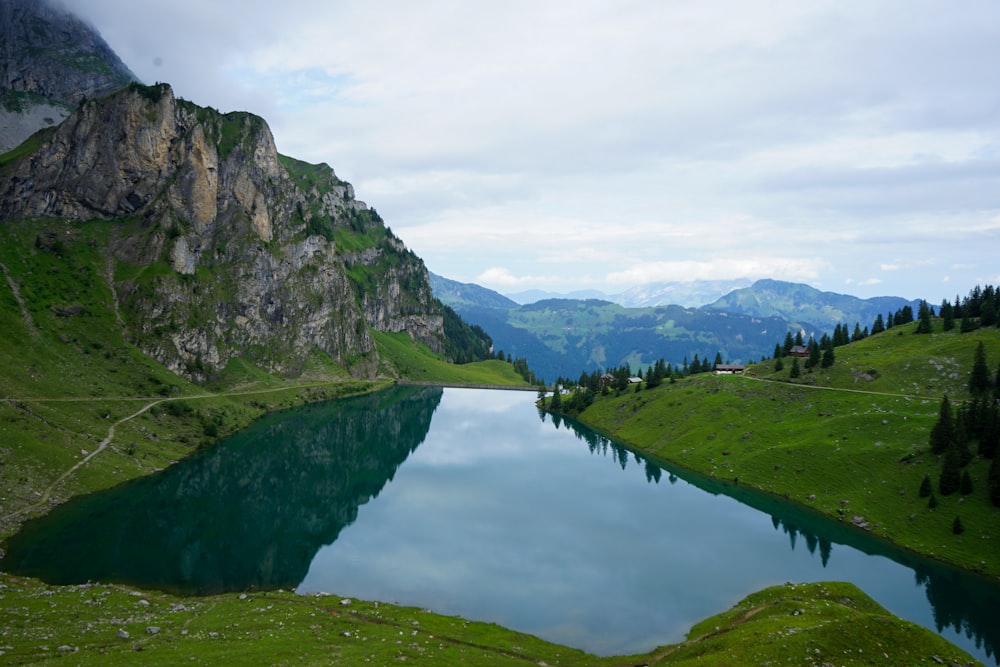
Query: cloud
x,y
580,143
720,268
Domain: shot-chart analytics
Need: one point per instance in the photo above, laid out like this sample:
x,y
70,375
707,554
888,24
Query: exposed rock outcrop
x,y
223,248
49,61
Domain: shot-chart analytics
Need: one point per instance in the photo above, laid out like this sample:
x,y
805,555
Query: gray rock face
x,y
47,51
221,247
49,61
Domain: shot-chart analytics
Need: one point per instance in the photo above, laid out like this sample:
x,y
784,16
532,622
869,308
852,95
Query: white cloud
x,y
718,268
586,143
499,276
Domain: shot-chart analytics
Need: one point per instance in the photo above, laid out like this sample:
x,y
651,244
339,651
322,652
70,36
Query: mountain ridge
x,y
235,234
688,293
550,332
800,303
50,61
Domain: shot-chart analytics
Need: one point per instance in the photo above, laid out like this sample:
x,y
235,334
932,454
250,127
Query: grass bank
x,y
850,441
96,624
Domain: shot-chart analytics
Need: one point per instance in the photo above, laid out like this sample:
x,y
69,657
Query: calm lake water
x,y
468,502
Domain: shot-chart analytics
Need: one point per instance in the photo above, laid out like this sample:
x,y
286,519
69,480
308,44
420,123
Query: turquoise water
x,y
469,502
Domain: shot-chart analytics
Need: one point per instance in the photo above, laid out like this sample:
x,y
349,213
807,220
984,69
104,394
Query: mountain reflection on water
x,y
959,600
495,516
248,513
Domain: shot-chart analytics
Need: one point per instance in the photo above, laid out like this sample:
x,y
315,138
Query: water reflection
x,y
496,516
962,602
250,512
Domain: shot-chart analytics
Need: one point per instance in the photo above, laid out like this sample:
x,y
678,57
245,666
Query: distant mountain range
x,y
561,337
805,305
689,293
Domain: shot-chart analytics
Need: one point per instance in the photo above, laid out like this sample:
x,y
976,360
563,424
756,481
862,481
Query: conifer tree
x,y
964,453
942,432
845,337
925,487
789,343
879,325
779,365
828,358
795,371
777,351
957,527
932,502
994,481
951,473
979,379
988,313
923,318
814,353
556,402
966,485
989,440
947,315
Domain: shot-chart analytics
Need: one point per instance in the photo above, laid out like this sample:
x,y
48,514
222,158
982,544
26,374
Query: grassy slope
x,y
70,376
852,455
781,624
403,357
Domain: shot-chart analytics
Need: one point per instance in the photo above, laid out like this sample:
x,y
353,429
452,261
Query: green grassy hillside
x,y
850,441
97,624
405,358
82,410
70,375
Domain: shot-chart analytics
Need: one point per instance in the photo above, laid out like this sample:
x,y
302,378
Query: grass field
x,y
850,441
96,624
82,410
403,357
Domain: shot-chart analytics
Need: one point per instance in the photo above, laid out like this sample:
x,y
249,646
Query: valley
x,y
170,282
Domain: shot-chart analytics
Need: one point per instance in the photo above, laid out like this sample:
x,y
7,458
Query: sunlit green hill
x,y
850,441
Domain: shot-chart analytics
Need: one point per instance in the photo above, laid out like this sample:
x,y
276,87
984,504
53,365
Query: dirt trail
x,y
850,391
29,323
100,448
665,653
111,430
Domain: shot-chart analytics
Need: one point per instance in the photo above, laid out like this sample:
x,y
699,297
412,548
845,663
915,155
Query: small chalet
x,y
729,369
799,351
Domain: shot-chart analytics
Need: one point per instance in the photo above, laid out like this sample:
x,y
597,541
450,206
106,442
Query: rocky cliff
x,y
49,62
220,247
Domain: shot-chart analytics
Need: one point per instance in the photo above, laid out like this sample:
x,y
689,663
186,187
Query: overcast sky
x,y
854,146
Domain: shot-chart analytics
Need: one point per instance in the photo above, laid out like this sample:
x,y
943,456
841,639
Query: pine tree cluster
x,y
520,365
581,393
974,424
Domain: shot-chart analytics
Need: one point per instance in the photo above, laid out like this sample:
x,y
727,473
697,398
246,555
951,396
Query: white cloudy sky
x,y
573,144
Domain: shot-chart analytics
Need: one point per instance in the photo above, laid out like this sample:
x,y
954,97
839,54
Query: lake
x,y
471,503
